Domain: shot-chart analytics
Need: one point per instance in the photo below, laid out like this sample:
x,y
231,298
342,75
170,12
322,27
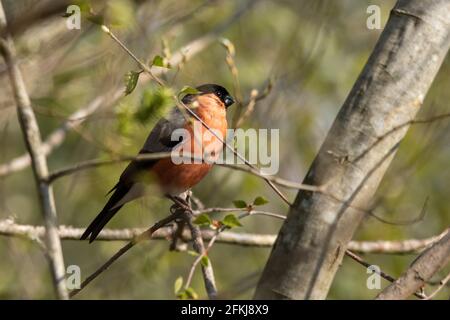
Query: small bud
x,y
105,29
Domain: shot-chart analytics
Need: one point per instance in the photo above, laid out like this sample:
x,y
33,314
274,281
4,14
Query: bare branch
x,y
33,142
94,163
10,229
279,181
57,137
207,270
421,270
394,247
34,233
128,51
40,11
384,275
200,256
147,234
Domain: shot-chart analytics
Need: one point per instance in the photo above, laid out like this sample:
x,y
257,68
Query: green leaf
x,y
205,261
131,79
178,284
231,221
191,293
188,90
240,204
158,61
182,295
259,201
192,253
203,220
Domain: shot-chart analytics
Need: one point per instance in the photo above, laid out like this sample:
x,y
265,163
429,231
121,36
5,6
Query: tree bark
x,y
357,151
32,137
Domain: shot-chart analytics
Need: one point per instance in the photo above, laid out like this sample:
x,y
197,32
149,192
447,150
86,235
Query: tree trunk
x,y
357,151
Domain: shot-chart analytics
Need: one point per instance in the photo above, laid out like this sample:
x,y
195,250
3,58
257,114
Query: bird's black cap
x,y
219,91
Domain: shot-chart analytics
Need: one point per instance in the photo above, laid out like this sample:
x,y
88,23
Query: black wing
x,y
159,140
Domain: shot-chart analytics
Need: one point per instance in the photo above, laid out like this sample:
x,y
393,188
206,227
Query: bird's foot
x,y
179,203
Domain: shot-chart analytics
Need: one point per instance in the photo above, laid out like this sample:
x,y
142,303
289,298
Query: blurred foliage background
x,y
312,50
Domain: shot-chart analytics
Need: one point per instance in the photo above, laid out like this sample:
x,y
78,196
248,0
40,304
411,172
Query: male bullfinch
x,y
209,104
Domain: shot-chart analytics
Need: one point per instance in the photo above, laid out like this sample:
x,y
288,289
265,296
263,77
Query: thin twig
x,y
94,163
197,243
249,108
57,137
442,284
255,96
207,270
200,257
229,59
381,273
128,51
139,238
213,239
397,128
279,181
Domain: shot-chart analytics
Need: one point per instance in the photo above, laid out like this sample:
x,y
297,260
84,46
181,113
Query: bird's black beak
x,y
228,101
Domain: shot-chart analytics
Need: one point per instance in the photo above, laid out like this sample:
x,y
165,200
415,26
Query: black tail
x,y
107,212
